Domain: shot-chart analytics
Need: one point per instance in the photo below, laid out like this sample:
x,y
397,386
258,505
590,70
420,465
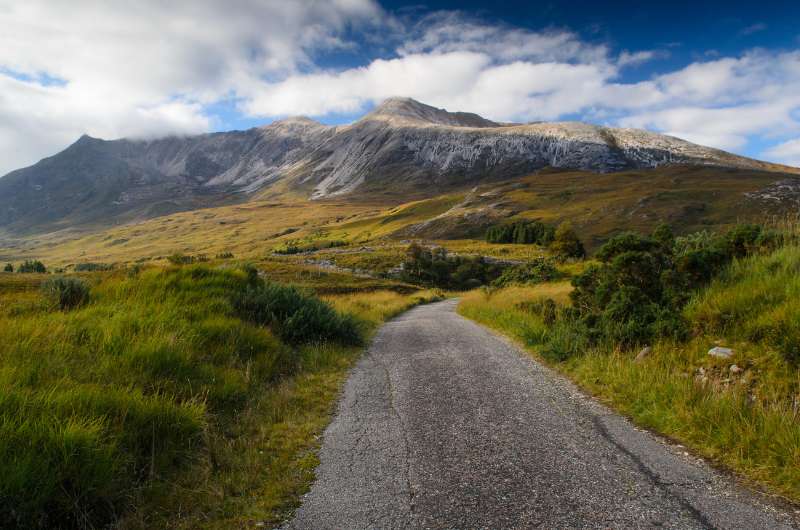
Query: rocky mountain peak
x,y
407,110
294,124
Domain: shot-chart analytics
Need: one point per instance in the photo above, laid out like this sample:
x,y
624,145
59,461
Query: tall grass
x,y
121,395
757,299
159,402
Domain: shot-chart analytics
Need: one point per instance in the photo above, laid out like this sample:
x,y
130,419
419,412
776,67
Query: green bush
x,y
626,242
66,293
8,268
536,271
635,295
32,266
92,267
186,259
566,338
296,317
434,267
743,240
566,243
290,249
521,232
638,292
664,236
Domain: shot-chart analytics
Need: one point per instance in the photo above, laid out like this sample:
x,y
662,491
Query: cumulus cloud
x,y
149,68
787,152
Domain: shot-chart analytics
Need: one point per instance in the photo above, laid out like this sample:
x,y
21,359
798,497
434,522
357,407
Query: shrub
x,y
296,317
566,338
66,293
521,232
91,267
695,241
566,243
701,265
664,236
743,240
289,249
8,268
186,259
32,266
536,271
434,267
635,295
180,259
626,242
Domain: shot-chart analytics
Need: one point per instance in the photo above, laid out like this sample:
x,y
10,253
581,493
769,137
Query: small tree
x,y
32,266
566,243
8,268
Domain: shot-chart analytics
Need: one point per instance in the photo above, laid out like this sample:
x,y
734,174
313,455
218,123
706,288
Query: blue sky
x,y
724,74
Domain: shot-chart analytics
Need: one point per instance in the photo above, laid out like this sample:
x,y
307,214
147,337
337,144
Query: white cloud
x,y
627,58
448,31
147,67
787,152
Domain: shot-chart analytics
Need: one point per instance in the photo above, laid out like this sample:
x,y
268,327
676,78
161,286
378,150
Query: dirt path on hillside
x,y
445,425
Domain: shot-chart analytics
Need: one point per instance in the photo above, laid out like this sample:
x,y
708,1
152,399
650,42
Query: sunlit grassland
x,y
747,421
156,405
690,198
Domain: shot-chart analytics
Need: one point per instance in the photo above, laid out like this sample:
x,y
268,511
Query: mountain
x,y
401,145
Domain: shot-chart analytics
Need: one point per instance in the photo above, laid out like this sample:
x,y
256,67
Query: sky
x,y
723,74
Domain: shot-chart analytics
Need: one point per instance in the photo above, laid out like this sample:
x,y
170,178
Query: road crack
x,y
404,430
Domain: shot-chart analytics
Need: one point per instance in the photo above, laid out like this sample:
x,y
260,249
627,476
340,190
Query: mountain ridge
x,y
400,145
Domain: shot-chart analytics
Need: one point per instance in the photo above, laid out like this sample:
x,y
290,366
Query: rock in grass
x,y
719,351
643,354
735,369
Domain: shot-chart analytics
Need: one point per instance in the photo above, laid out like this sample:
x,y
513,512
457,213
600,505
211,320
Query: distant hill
x,y
403,145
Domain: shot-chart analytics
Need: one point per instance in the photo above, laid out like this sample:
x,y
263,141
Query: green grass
x,y
156,405
756,300
748,421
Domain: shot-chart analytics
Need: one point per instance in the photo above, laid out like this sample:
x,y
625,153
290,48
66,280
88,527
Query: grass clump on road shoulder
x,y
741,412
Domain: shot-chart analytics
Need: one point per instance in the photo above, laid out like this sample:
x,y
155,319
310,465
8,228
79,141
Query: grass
x,y
155,404
747,419
690,198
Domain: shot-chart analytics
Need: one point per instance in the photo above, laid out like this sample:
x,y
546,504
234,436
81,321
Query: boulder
x,y
735,369
643,354
719,351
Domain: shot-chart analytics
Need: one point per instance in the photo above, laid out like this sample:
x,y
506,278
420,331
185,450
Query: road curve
x,y
443,424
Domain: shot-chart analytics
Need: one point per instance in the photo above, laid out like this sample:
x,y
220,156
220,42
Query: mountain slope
x,y
402,145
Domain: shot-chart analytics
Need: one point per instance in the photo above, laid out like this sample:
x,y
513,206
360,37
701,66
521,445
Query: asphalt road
x,y
443,424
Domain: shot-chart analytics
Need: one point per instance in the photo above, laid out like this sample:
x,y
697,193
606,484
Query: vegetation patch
x,y
167,397
680,297
434,267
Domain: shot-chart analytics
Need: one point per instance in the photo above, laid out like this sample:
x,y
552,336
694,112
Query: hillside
x,y
402,147
690,198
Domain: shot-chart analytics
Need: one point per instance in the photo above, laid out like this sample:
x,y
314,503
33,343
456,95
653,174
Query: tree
x,y
8,268
566,243
32,266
